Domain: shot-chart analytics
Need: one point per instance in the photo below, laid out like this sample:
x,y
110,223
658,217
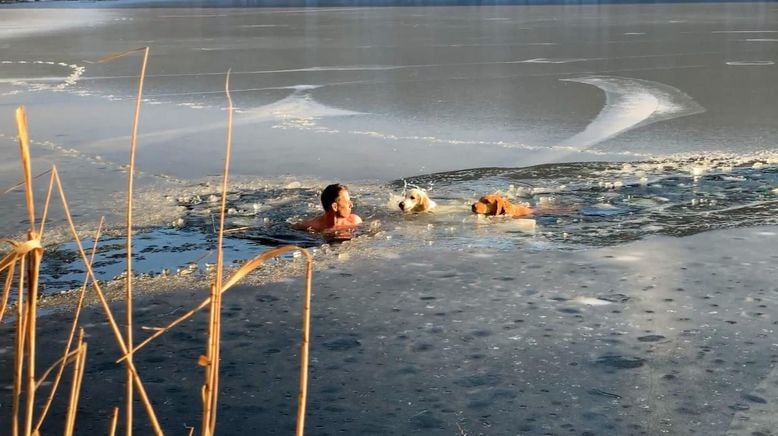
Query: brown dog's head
x,y
491,204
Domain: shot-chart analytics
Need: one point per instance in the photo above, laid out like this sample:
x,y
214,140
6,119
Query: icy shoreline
x,y
662,335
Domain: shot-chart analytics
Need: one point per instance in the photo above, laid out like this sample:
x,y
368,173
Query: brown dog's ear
x,y
502,208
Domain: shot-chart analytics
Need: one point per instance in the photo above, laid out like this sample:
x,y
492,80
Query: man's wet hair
x,y
330,195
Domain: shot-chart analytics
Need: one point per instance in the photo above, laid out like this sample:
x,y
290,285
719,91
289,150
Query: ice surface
x,y
630,103
438,339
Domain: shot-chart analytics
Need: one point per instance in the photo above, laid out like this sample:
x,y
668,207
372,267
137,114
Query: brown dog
x,y
495,204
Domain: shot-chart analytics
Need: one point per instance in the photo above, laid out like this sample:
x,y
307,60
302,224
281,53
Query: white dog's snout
x,y
416,200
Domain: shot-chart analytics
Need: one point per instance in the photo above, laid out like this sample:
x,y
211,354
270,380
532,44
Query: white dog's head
x,y
416,200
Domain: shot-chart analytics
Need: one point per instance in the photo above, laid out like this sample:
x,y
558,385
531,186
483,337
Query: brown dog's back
x,y
520,210
495,204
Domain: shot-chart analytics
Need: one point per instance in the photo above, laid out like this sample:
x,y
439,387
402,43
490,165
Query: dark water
x,y
607,203
580,205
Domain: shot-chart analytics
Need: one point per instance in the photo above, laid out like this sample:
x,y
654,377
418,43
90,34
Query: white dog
x,y
415,201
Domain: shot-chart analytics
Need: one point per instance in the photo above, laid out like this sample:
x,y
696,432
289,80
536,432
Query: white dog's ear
x,y
424,200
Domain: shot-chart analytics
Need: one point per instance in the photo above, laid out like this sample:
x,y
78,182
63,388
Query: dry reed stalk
x,y
114,422
130,184
24,145
104,302
211,363
20,184
302,397
33,268
21,251
211,385
67,358
81,368
6,289
75,386
130,180
32,317
236,229
73,326
46,204
21,325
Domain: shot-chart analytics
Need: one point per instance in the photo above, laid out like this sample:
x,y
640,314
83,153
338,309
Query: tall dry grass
x,y
22,266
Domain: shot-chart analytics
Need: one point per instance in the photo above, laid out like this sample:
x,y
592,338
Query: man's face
x,y
343,204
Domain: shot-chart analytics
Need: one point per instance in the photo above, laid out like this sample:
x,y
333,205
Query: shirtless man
x,y
337,215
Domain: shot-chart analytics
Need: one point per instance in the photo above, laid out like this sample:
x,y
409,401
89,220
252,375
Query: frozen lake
x,y
652,124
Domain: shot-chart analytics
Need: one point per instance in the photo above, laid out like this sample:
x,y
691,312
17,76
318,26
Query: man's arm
x,y
314,224
305,224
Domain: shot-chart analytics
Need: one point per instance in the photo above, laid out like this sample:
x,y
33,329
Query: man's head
x,y
335,199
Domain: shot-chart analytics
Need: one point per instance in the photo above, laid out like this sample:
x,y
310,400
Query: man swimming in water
x,y
337,215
